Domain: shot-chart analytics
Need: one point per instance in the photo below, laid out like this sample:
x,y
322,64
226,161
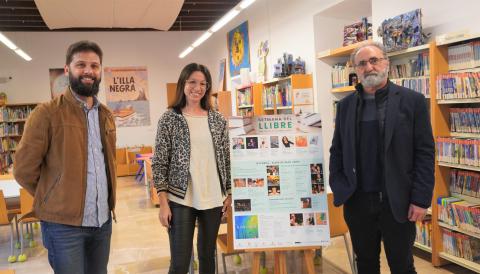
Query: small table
x,y
10,188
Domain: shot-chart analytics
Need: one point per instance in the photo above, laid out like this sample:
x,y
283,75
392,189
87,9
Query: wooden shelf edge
x,y
467,198
343,89
465,135
456,229
422,247
441,42
460,261
409,50
245,106
473,168
458,101
342,51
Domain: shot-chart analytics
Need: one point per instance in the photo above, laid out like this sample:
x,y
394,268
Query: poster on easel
x,y
278,184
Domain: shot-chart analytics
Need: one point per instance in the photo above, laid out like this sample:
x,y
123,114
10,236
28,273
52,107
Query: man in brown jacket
x,y
66,160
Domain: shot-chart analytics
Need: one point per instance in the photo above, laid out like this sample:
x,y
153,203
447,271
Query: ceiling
x,y
195,15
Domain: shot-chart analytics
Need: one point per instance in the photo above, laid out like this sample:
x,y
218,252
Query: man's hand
x,y
226,204
416,213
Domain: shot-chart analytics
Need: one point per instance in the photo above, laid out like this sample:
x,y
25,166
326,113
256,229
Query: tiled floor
x,y
140,245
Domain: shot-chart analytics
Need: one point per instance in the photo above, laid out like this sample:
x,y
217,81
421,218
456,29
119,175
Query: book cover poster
x,y
278,184
403,31
221,75
58,81
126,90
238,49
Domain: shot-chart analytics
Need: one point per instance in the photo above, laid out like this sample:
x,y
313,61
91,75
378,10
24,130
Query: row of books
x,y
269,96
465,120
11,129
414,67
458,85
465,182
6,160
459,213
341,75
244,96
424,232
247,112
458,151
239,125
13,114
284,94
464,56
8,145
461,245
419,84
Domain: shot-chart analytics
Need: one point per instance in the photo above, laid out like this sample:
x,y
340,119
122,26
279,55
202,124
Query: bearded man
x,y
382,163
66,161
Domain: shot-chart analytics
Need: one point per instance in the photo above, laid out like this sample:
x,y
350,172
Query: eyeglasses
x,y
193,83
373,61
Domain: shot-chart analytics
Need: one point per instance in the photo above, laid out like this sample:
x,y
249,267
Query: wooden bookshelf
x,y
12,120
422,247
460,261
253,106
294,81
457,101
343,89
340,52
458,166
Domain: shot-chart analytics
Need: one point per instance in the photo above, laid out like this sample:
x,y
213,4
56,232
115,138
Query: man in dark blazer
x,y
382,163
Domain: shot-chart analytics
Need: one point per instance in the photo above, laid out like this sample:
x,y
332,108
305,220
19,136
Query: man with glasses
x,y
382,163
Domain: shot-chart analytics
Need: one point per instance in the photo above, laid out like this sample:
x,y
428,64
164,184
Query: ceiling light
x,y
245,3
201,39
185,52
23,54
7,42
225,19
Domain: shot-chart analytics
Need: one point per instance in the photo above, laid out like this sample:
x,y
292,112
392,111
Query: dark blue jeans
x,y
76,249
182,226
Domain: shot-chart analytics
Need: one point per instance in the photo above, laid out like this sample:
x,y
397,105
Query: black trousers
x,y
180,233
369,219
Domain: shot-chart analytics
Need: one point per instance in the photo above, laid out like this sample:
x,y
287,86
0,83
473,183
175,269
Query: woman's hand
x,y
165,214
226,204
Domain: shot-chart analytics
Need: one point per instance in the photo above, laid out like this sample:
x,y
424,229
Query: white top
x,y
204,191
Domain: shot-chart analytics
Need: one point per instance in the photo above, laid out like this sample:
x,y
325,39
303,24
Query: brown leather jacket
x,y
51,159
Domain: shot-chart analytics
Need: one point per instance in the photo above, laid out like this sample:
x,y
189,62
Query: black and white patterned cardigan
x,y
171,160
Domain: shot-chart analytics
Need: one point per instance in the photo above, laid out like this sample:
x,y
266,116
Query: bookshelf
x,y
442,104
249,100
12,122
288,95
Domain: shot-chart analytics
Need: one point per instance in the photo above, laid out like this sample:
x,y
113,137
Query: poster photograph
x,y
238,49
126,90
278,184
58,81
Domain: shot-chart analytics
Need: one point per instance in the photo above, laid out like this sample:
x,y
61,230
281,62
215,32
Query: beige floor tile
x,y
140,245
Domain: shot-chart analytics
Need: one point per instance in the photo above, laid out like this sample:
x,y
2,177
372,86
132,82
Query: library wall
x,y
156,50
287,25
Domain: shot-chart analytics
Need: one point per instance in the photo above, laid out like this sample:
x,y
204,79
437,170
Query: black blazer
x,y
409,151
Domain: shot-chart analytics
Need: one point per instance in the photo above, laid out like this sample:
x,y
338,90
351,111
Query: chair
x,y
6,219
141,169
26,206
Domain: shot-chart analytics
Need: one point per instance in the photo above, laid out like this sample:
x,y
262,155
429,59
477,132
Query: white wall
x,y
287,25
156,50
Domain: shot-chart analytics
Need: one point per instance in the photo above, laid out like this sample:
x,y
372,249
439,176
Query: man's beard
x,y
81,89
374,79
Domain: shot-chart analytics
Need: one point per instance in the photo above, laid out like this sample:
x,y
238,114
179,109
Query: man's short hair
x,y
83,46
368,44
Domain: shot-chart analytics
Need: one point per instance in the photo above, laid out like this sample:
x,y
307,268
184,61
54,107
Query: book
x,y
238,121
241,130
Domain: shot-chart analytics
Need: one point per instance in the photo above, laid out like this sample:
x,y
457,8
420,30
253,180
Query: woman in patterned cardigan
x,y
191,170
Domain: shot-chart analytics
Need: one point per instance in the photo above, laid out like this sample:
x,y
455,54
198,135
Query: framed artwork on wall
x,y
238,49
